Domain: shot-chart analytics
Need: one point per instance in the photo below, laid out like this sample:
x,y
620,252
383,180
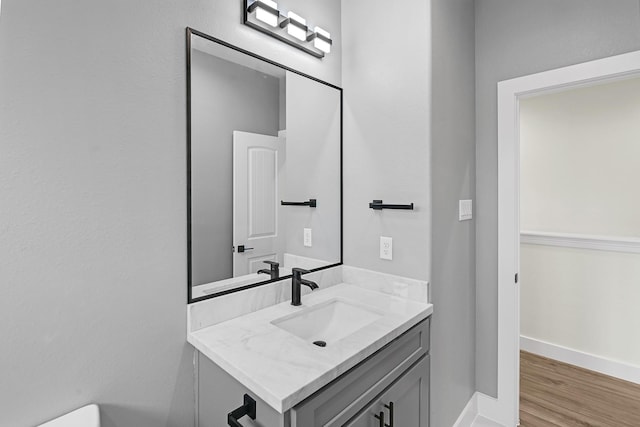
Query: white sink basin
x,y
329,321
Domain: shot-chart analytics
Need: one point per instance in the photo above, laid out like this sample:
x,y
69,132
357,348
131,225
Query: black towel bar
x,y
378,205
312,203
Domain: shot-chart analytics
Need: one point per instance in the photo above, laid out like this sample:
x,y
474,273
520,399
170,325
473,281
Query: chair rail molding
x,y
582,241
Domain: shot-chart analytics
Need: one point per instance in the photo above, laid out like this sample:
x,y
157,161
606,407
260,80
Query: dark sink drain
x,y
320,343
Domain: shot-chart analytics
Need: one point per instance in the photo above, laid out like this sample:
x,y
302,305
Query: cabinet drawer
x,y
339,401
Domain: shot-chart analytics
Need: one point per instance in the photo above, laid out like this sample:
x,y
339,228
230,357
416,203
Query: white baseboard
x,y
482,409
469,413
592,362
472,414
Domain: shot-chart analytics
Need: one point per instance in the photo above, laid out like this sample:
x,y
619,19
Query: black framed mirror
x,y
264,169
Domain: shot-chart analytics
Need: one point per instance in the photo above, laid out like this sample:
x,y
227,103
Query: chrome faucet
x,y
296,282
273,272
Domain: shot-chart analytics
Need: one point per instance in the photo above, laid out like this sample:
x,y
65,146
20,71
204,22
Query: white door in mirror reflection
x,y
258,168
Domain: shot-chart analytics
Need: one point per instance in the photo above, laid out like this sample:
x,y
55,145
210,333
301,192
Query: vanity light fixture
x,y
296,26
321,39
266,11
264,16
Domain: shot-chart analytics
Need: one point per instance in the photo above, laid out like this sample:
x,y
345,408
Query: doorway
x,y
505,409
580,256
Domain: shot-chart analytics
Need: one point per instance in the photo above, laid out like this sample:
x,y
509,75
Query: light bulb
x,y
295,30
265,15
320,43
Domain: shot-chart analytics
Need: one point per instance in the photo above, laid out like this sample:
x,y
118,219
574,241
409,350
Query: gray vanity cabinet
x,y
406,403
397,375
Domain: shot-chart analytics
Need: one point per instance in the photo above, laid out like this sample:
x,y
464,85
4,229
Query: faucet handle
x,y
273,263
299,271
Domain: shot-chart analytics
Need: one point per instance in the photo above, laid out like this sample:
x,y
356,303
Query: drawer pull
x,y
249,408
380,417
390,408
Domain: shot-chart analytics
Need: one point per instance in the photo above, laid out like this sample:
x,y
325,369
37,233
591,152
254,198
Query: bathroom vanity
x,y
391,387
373,370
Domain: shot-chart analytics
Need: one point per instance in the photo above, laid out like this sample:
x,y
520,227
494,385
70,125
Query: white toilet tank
x,y
88,416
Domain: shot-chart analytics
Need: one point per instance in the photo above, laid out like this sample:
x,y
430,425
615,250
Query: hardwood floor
x,y
553,393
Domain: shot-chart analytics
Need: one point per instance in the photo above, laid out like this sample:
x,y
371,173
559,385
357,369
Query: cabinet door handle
x,y
249,409
380,417
390,408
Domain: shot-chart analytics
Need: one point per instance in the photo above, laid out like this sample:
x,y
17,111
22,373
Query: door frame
x,y
505,409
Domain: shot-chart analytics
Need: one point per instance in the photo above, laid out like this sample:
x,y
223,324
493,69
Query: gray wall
x,y
453,178
386,133
224,97
404,144
312,168
516,38
93,215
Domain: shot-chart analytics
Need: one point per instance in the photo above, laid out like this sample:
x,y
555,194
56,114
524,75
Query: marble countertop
x,y
283,369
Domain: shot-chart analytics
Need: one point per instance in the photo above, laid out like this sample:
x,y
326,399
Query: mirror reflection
x,y
265,170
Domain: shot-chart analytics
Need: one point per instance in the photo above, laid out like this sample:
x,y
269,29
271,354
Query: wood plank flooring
x,y
553,393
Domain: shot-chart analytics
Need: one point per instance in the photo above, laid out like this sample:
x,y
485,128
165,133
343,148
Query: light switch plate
x,y
386,248
307,237
465,210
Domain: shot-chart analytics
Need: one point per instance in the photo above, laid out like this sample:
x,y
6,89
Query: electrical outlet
x,y
465,210
307,237
386,248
